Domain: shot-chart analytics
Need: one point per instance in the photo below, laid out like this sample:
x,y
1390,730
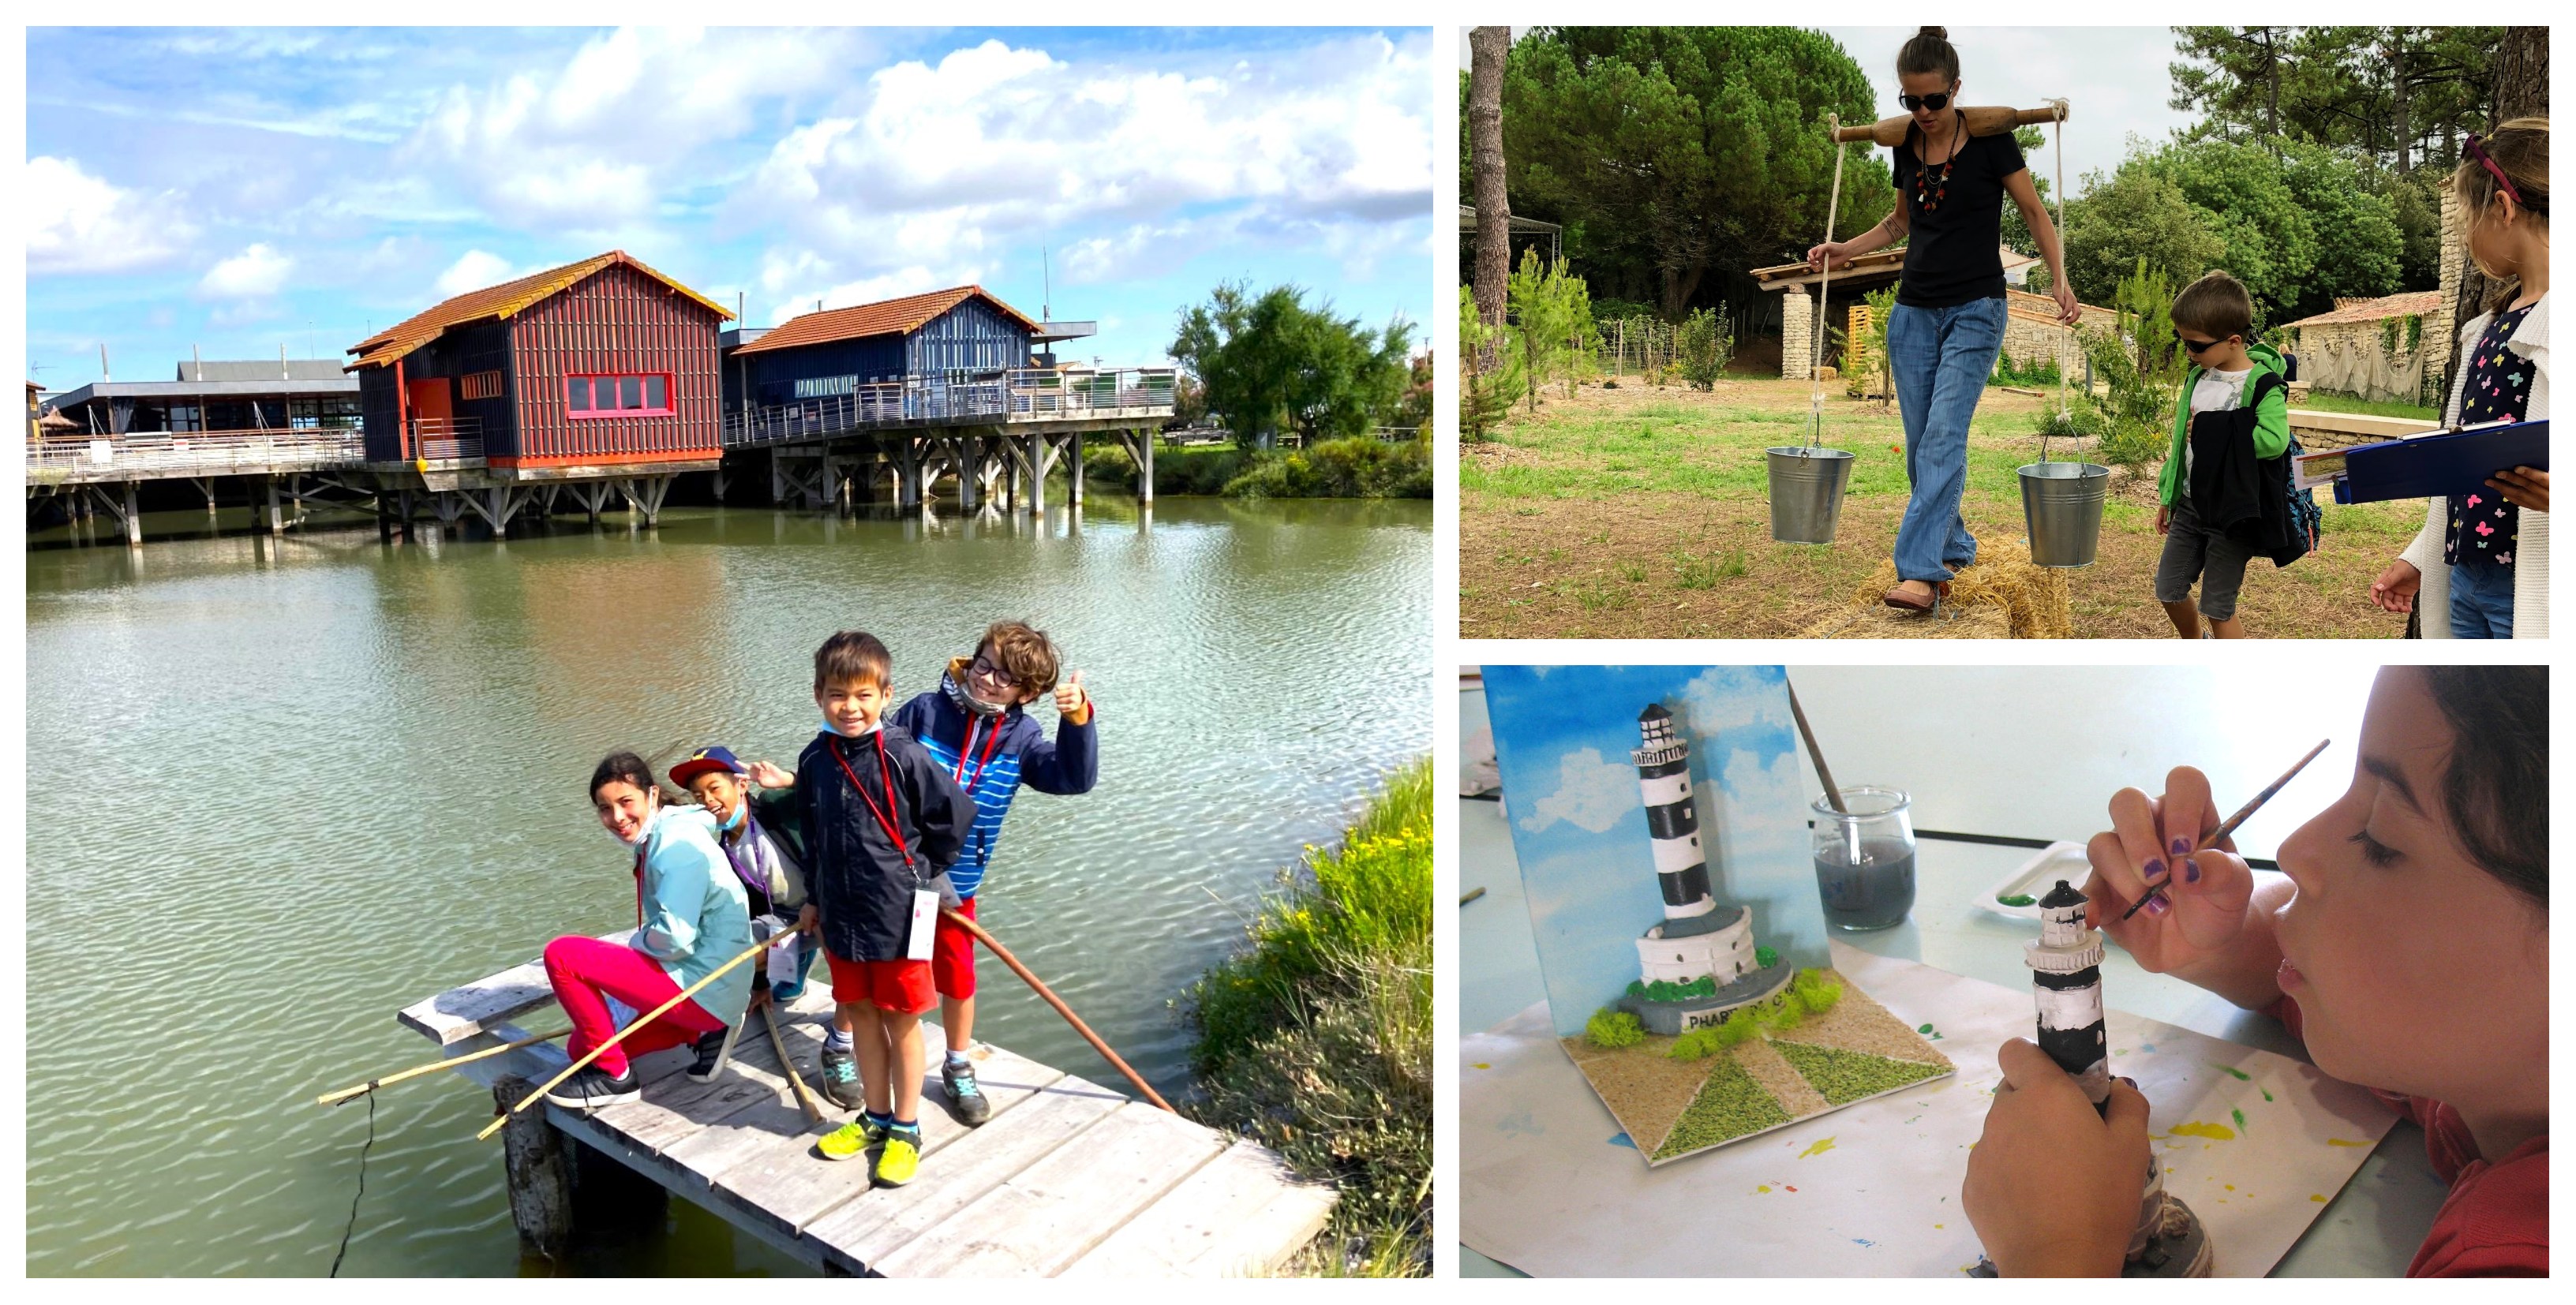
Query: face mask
x,y
642,831
835,730
734,821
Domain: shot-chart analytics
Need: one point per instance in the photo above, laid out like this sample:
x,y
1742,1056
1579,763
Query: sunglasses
x,y
2473,150
1936,101
2198,347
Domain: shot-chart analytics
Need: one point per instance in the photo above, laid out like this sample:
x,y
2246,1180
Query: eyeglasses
x,y
2199,347
1936,101
985,669
2475,151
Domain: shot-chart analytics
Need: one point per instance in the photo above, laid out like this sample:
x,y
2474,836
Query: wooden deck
x,y
1068,1177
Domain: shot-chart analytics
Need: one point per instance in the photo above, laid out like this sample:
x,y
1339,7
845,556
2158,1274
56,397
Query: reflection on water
x,y
305,781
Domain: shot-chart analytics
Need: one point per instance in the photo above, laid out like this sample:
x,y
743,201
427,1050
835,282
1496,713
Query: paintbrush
x,y
2228,826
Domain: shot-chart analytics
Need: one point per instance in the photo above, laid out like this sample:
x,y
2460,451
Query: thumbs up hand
x,y
1072,700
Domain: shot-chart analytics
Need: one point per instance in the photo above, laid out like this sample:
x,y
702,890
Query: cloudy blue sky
x,y
1562,737
235,189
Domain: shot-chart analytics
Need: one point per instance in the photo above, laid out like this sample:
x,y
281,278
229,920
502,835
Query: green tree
x,y
1271,363
1701,346
1674,155
2136,216
2365,248
1552,310
1491,373
2398,97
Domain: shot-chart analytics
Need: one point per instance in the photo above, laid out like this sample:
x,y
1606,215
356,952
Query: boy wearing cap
x,y
758,832
974,728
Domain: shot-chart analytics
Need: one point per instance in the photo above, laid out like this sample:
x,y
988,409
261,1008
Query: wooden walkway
x,y
1068,1177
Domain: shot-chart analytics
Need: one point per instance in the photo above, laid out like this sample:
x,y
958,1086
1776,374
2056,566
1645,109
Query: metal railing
x,y
447,439
1019,394
192,453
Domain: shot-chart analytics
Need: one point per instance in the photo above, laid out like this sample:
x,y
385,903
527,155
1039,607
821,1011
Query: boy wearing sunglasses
x,y
975,729
2214,316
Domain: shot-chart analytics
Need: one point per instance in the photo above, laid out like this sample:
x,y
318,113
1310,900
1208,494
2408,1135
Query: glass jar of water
x,y
1865,858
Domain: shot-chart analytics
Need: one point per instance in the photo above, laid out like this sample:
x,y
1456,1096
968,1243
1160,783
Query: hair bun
x,y
1936,33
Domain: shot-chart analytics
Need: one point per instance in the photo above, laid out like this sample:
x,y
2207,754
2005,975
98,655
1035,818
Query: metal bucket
x,y
2062,504
1807,493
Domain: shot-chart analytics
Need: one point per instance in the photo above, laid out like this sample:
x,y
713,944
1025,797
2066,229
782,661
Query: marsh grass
x,y
1316,1041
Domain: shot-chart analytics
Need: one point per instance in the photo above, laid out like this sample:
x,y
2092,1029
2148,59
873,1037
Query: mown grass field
x,y
1644,513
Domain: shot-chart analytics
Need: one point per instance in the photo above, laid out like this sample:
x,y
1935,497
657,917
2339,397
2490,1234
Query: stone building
x,y
2377,349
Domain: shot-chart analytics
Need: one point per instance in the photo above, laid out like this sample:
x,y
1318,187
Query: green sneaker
x,y
900,1158
851,1140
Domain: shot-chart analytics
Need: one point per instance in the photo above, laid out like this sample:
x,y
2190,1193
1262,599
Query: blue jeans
x,y
2481,602
1941,358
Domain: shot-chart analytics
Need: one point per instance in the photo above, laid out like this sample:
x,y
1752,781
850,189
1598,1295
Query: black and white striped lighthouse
x,y
1672,814
2066,978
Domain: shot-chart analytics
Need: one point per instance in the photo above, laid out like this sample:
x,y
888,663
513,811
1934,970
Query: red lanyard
x,y
883,819
990,740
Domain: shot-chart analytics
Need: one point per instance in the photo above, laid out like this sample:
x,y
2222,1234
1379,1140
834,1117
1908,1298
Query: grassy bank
x,y
1352,468
1644,513
1316,1041
2324,401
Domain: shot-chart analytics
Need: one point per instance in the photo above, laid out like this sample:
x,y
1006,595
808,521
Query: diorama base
x,y
1672,1108
1672,1019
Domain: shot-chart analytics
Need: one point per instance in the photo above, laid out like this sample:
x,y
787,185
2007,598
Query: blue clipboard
x,y
2437,466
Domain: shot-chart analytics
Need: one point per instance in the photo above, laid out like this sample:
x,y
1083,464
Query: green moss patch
x,y
1729,1105
1844,1077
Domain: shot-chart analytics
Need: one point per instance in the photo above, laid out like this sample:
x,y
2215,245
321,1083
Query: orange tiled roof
x,y
2422,303
508,299
884,317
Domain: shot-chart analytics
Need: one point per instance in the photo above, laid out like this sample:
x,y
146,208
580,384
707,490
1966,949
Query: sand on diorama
x,y
1708,1012
1673,1104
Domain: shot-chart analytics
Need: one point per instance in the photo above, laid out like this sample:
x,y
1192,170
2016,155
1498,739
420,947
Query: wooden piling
x,y
538,1165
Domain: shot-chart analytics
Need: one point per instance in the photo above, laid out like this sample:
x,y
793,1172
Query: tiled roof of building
x,y
2422,303
884,317
508,299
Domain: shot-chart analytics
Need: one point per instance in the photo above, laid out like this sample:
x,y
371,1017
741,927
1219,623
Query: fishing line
x,y
362,1187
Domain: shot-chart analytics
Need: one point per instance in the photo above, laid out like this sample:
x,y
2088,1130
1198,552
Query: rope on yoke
x,y
2057,134
1824,292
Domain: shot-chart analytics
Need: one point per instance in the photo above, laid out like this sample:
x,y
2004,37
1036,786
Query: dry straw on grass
x,y
2002,595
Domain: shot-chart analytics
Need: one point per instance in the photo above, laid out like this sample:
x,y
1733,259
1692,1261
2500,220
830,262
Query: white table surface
x,y
2025,752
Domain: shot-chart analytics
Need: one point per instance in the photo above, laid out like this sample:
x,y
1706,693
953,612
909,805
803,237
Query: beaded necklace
x,y
1929,192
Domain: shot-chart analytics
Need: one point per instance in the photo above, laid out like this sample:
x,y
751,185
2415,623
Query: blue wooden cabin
x,y
946,337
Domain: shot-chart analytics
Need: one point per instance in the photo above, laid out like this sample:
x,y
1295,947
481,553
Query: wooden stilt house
x,y
595,363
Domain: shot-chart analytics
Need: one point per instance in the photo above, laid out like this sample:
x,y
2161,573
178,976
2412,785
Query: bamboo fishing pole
x,y
352,1093
537,1093
1004,955
804,1094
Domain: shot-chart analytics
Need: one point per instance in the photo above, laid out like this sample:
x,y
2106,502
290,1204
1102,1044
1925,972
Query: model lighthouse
x,y
2066,978
1701,948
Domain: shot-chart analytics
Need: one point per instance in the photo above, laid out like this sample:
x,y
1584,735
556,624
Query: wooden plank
x,y
460,1013
874,1224
793,1186
1049,1214
677,1108
1243,1212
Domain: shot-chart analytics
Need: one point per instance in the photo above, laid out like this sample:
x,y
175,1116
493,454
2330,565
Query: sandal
x,y
1905,600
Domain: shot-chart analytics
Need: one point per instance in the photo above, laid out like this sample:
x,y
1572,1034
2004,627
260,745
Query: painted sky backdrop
x,y
238,189
1563,735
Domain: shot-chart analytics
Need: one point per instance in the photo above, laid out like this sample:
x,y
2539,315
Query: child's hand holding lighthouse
x,y
2052,1185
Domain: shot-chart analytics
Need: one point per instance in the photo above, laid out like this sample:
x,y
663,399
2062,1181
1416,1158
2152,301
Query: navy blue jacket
x,y
855,876
1022,754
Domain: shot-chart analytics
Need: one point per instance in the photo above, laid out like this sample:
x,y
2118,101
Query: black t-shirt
x,y
1952,249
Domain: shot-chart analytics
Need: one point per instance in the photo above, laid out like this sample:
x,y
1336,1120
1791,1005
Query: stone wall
x,y
1797,332
2354,358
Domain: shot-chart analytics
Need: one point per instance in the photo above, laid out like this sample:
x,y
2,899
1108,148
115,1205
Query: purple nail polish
x,y
2182,847
2155,906
2155,868
2191,872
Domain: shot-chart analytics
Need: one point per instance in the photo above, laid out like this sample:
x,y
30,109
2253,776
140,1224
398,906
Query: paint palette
x,y
2018,895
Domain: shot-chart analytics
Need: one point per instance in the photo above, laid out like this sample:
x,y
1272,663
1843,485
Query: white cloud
x,y
474,271
597,142
1724,699
80,223
994,147
1590,794
257,272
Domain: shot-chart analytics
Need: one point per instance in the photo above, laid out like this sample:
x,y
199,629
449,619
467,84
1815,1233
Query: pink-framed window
x,y
644,394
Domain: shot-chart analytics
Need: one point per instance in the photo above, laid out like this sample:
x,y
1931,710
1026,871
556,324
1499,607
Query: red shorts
x,y
899,986
952,957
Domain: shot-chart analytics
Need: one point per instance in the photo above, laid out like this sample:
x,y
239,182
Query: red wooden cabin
x,y
600,362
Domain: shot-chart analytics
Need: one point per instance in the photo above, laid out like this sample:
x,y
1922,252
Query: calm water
x,y
280,789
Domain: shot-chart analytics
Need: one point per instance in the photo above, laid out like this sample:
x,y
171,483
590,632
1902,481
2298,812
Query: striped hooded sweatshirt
x,y
992,756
